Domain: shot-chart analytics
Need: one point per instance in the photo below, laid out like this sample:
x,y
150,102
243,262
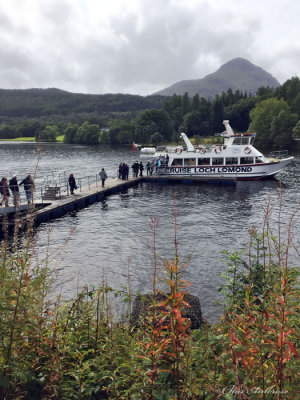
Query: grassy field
x,y
19,139
30,139
60,138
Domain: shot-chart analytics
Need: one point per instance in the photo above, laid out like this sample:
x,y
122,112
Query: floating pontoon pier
x,y
54,204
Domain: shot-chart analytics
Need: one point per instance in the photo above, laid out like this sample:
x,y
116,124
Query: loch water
x,y
100,241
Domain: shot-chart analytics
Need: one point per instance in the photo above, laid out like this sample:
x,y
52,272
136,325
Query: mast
x,y
228,127
189,145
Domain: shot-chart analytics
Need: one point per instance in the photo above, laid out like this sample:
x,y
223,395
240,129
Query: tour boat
x,y
235,159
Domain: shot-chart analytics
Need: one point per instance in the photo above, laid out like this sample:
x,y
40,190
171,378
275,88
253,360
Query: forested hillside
x,y
121,119
45,102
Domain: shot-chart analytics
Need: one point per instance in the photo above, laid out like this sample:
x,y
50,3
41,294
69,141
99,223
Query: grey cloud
x,y
137,51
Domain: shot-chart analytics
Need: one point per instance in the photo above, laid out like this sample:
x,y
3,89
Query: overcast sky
x,y
141,46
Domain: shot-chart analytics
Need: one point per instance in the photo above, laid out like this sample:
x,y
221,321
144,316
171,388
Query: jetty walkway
x,y
60,204
56,202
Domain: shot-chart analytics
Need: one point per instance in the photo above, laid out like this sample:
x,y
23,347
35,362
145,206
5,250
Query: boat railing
x,y
279,154
175,149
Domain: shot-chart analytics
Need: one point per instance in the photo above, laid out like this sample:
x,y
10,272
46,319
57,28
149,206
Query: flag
x,y
133,147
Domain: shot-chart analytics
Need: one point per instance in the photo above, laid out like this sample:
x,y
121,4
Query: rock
x,y
142,303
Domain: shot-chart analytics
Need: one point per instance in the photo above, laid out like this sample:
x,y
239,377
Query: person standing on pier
x,y
72,183
14,188
4,191
28,187
126,171
135,169
148,167
141,168
120,170
103,176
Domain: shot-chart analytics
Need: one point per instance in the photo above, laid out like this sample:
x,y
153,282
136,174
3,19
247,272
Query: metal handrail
x,y
62,184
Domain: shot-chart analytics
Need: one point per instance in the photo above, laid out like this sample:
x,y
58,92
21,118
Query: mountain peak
x,y
236,74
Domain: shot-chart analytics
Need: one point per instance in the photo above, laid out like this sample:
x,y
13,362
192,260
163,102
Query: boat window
x,y
252,139
258,160
236,141
247,160
203,161
245,140
218,161
177,161
190,161
231,160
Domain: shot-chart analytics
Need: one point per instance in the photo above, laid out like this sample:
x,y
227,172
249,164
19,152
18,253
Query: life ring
x,y
203,150
218,149
247,150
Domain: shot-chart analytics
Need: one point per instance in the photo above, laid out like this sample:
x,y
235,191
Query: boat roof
x,y
229,132
238,134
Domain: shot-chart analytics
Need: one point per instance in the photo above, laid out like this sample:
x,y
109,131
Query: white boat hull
x,y
226,172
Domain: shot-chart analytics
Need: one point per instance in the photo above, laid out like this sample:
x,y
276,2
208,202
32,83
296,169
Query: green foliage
x,y
192,123
7,132
151,121
48,134
34,103
217,115
290,92
121,132
85,134
282,129
296,130
88,134
136,118
262,117
238,113
70,133
79,350
156,139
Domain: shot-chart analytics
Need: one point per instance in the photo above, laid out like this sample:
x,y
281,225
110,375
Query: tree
x,y
104,136
296,130
70,133
30,128
121,132
173,107
282,129
88,134
191,123
289,90
185,104
195,102
238,114
156,139
217,115
264,93
262,116
151,121
48,134
6,132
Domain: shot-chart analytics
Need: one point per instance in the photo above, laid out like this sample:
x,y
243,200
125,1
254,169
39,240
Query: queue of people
x,y
123,171
12,187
